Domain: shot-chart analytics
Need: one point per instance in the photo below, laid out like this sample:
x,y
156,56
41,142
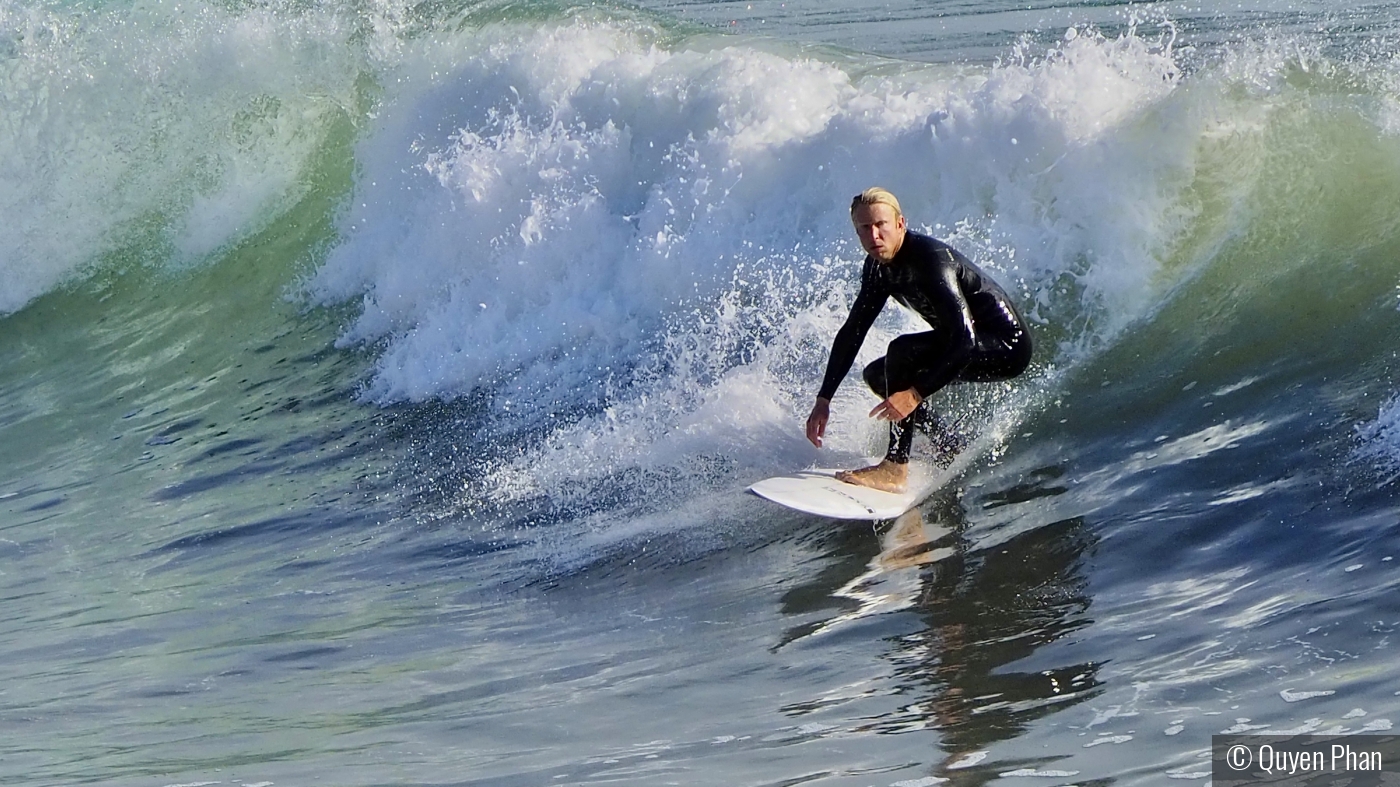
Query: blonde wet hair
x,y
876,196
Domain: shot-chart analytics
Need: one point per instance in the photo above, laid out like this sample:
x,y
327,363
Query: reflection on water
x,y
982,613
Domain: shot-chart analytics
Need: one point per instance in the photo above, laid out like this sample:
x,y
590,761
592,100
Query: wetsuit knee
x,y
876,376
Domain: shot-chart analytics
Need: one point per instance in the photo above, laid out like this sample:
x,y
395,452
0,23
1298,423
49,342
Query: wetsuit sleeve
x,y
869,301
951,305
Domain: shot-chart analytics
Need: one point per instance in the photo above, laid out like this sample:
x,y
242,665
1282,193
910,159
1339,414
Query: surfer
x,y
977,336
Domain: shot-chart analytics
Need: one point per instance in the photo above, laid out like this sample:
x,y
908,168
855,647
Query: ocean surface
x,y
380,382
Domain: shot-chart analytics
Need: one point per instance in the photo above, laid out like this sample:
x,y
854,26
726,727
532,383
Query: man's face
x,y
880,229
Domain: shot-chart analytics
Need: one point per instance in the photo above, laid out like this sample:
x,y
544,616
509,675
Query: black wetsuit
x,y
977,333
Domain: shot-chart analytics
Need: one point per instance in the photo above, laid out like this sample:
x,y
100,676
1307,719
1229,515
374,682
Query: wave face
x,y
152,135
609,225
380,348
634,242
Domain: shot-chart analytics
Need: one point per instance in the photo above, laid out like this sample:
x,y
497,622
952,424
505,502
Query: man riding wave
x,y
977,335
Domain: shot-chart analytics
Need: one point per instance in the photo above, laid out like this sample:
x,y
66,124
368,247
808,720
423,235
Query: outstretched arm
x,y
816,422
869,301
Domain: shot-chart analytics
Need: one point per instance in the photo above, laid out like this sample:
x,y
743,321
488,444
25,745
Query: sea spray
x,y
639,249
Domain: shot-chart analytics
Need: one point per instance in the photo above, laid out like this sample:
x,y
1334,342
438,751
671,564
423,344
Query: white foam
x,y
1242,726
1307,727
1379,440
1109,739
1289,695
968,760
581,218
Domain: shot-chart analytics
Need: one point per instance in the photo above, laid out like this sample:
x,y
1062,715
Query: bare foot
x,y
886,476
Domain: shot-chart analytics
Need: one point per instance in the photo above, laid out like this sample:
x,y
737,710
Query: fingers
x,y
885,412
889,411
816,422
897,406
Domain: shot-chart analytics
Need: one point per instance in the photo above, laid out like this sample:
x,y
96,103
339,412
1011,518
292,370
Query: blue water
x,y
379,385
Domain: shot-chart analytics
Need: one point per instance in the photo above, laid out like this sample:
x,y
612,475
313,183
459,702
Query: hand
x,y
816,422
898,406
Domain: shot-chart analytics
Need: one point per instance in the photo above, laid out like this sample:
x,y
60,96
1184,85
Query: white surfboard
x,y
816,491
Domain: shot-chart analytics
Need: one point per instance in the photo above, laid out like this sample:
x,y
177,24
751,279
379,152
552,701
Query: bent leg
x,y
889,475
902,433
907,357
